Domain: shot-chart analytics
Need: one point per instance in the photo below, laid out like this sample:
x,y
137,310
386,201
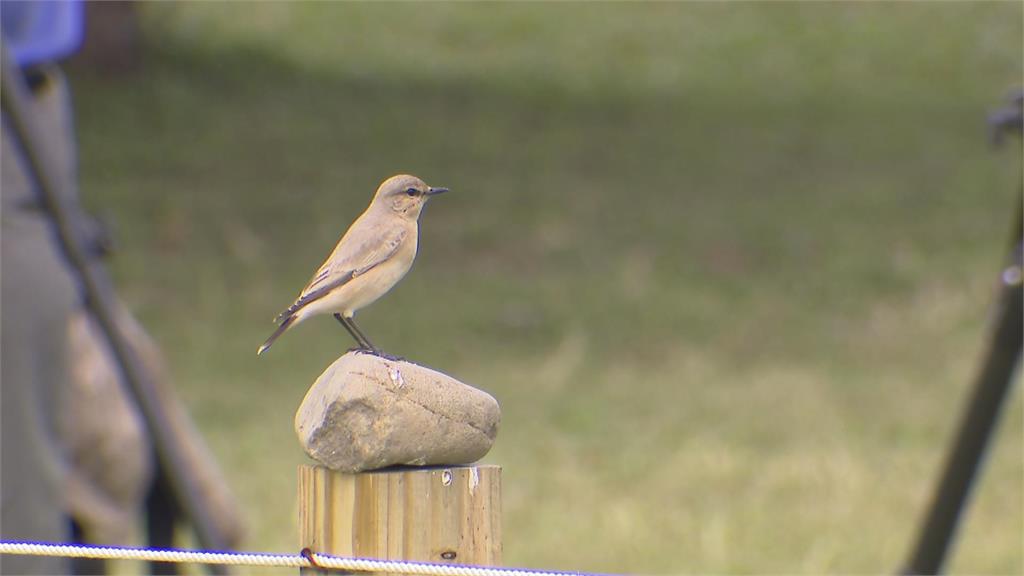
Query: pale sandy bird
x,y
372,256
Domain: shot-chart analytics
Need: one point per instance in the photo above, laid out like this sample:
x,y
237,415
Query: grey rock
x,y
365,412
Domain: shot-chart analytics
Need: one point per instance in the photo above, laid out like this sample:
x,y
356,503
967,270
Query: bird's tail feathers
x,y
277,334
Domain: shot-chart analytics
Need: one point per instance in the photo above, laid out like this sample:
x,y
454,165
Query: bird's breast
x,y
366,288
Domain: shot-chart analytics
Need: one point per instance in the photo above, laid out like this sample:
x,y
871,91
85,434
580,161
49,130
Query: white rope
x,y
253,559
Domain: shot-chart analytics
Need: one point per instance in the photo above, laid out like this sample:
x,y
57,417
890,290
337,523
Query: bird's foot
x,y
380,354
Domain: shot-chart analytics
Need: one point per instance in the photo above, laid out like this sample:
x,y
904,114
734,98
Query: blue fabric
x,y
41,31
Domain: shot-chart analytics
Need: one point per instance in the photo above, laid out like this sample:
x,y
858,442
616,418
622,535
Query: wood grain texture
x,y
450,515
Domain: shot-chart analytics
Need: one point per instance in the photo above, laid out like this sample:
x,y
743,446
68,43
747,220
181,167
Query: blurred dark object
x,y
38,287
108,448
111,474
1009,119
161,505
990,390
112,44
98,236
111,477
47,177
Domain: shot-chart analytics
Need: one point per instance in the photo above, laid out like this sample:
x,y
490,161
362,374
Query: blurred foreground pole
x,y
449,515
98,296
990,391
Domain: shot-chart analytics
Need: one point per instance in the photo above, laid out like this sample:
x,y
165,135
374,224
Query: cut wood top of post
x,y
446,514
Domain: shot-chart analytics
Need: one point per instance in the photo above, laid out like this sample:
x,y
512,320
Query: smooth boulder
x,y
366,412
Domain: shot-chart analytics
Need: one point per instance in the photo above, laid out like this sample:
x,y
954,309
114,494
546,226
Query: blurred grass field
x,y
727,267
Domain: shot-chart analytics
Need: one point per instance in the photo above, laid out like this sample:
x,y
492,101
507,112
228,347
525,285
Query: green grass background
x,y
727,267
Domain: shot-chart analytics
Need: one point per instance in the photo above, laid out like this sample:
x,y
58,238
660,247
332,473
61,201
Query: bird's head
x,y
405,195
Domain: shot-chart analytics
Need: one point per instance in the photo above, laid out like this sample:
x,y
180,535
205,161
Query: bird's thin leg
x,y
357,336
352,325
364,343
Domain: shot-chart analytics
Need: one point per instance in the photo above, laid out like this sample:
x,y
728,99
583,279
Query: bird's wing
x,y
342,267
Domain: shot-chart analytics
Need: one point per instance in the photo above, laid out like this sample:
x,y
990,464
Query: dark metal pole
x,y
95,287
990,391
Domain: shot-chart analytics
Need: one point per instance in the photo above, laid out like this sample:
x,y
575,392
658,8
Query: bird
x,y
372,256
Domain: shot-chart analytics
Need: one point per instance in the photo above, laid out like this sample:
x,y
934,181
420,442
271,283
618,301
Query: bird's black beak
x,y
433,191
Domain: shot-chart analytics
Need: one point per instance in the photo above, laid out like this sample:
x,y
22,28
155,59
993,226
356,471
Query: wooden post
x,y
436,514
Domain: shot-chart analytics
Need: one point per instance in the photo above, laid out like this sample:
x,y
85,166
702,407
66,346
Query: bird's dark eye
x,y
412,191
